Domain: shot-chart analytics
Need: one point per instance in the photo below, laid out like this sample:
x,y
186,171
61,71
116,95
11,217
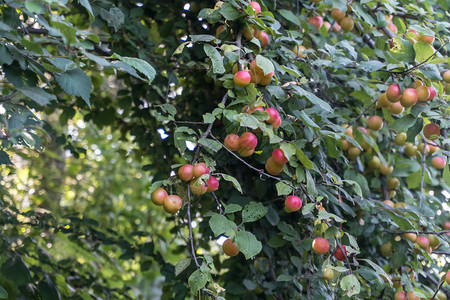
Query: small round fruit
x,y
246,152
336,27
447,277
186,172
409,97
213,184
353,152
423,93
273,114
263,38
266,79
299,50
432,93
431,131
219,30
292,204
423,242
375,123
410,236
200,169
393,28
389,203
434,241
386,170
427,39
198,187
345,144
438,162
172,204
256,7
396,108
411,150
391,194
278,156
347,24
242,78
338,254
396,282
421,148
393,183
433,147
316,21
231,142
248,141
446,76
400,205
272,167
374,163
393,93
383,101
158,196
230,248
400,296
249,32
400,139
441,295
337,14
277,123
386,249
412,296
328,274
321,246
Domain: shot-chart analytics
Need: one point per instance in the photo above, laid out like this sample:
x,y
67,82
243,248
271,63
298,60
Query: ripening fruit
x,y
441,295
396,282
393,183
386,249
393,28
345,144
321,246
200,169
409,97
158,196
273,115
231,142
396,108
423,242
249,32
423,93
338,254
410,236
353,152
277,123
383,101
447,277
248,141
427,39
393,93
292,204
434,241
385,170
347,24
186,172
213,184
432,93
411,150
256,7
316,21
400,139
299,50
389,203
433,147
255,75
328,274
172,204
400,205
375,123
431,130
411,294
230,248
242,78
374,163
266,79
421,148
278,156
391,194
336,27
263,38
198,187
337,14
438,162
219,30
400,295
272,167
348,130
446,76
245,152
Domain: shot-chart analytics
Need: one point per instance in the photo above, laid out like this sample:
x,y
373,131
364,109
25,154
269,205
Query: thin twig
x,y
438,288
219,206
190,226
362,113
366,38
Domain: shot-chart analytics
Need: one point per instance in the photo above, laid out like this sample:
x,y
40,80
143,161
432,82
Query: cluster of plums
x,y
344,21
275,163
193,173
253,74
245,144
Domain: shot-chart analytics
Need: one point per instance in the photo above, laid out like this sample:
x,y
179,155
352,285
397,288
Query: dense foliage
x,y
103,101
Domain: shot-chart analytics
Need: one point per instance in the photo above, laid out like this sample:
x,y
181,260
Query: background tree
x,y
324,122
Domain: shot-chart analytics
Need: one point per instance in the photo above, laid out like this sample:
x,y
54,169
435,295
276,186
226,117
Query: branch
x,y
424,155
406,72
441,232
219,206
363,112
8,97
384,187
438,288
344,252
366,38
190,226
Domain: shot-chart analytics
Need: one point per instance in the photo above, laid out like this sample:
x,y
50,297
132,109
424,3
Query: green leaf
x,y
4,158
232,208
247,243
379,270
229,12
247,120
289,150
75,82
313,98
140,65
220,224
216,59
423,51
233,180
403,123
323,215
413,179
403,50
253,212
288,15
182,265
370,66
33,7
265,64
16,270
307,209
37,94
198,280
68,31
35,47
3,293
283,189
304,159
284,277
210,144
87,5
351,285
114,17
307,120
